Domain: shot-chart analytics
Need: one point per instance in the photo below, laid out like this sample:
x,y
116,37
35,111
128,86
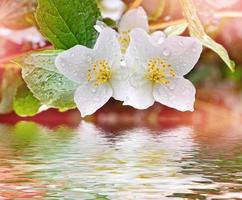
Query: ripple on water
x,y
139,163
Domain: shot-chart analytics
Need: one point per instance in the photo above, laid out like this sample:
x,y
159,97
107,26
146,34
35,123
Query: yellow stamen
x,y
159,71
100,73
124,40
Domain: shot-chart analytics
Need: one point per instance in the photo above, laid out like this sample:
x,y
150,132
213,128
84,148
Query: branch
x,y
135,4
228,14
161,25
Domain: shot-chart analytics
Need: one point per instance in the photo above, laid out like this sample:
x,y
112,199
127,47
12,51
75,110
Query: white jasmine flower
x,y
157,71
134,18
98,71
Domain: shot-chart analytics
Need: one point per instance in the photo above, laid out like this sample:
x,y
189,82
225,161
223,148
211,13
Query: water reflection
x,y
90,162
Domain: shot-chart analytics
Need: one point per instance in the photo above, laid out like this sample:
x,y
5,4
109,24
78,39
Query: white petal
x,y
140,97
120,90
120,83
89,98
107,47
75,62
100,26
112,9
180,94
181,52
135,18
140,50
158,37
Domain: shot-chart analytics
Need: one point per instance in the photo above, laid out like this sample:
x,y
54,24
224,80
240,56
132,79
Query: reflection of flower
x,y
134,160
157,71
98,71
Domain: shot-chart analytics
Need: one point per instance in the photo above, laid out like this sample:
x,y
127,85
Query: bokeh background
x,y
158,153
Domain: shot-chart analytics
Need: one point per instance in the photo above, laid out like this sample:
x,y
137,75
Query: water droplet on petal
x,y
160,41
137,58
171,86
122,63
166,52
94,90
89,59
71,54
194,49
181,43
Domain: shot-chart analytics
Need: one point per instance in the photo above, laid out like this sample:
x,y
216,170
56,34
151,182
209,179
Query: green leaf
x,y
11,80
25,104
66,23
45,82
196,30
219,49
200,75
101,197
234,76
176,29
110,22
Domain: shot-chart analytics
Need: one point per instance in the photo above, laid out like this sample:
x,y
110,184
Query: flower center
x,y
100,73
124,40
159,71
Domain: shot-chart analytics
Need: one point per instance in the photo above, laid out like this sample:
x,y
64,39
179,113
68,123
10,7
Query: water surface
x,y
90,162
